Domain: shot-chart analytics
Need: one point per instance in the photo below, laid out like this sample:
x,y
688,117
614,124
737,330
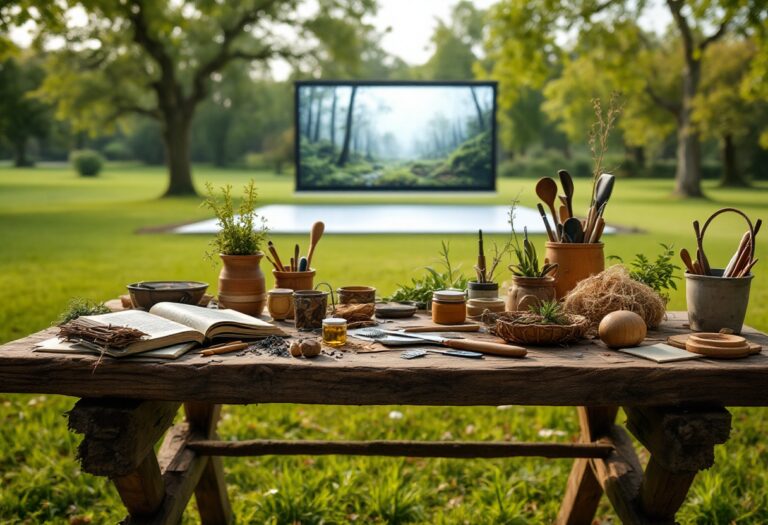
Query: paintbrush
x,y
224,348
273,263
543,214
480,258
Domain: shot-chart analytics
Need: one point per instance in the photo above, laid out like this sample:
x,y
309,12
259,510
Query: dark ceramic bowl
x,y
146,294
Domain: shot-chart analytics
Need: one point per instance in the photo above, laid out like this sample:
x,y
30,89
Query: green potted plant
x,y
532,283
242,286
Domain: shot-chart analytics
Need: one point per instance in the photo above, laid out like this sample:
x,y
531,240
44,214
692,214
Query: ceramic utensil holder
x,y
575,262
294,280
716,302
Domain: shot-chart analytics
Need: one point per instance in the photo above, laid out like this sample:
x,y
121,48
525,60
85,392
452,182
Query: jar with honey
x,y
449,307
334,331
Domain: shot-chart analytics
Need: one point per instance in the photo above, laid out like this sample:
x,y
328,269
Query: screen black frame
x,y
299,188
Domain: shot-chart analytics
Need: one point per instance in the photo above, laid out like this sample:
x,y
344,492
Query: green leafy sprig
x,y
659,274
239,234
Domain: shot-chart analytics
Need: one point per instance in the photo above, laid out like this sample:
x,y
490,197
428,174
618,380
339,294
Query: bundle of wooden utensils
x,y
568,228
298,263
741,262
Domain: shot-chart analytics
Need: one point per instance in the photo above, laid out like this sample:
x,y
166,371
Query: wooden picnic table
x,y
676,410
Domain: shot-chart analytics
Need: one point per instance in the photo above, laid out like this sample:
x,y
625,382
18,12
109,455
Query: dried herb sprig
x,y
78,307
600,132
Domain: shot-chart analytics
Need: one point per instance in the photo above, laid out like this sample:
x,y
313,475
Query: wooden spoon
x,y
687,261
567,182
546,189
314,236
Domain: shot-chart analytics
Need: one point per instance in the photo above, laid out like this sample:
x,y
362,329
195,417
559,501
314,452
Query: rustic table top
x,y
587,374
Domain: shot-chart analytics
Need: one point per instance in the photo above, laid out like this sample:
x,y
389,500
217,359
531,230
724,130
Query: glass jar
x,y
449,307
334,331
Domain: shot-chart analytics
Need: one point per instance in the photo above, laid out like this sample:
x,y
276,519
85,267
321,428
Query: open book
x,y
172,327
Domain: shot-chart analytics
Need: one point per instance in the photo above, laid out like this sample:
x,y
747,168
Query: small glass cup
x,y
335,332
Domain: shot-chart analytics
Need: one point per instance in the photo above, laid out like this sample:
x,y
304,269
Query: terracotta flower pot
x,y
294,280
575,262
242,286
529,291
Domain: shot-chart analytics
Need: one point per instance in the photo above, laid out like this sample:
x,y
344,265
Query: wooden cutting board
x,y
680,339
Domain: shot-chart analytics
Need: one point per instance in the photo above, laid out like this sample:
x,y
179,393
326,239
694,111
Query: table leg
x,y
681,442
211,491
583,491
118,440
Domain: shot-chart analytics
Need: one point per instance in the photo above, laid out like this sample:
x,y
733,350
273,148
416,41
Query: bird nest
x,y
527,328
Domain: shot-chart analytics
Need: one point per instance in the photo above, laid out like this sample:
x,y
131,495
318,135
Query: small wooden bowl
x,y
356,294
146,294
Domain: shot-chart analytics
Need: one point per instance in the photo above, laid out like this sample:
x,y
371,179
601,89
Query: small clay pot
x,y
280,303
242,286
356,294
575,262
476,290
529,291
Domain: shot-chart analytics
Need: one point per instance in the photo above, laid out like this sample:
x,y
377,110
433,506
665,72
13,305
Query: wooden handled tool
x,y
566,181
480,258
315,233
687,261
272,250
224,348
486,347
296,258
550,235
546,189
700,256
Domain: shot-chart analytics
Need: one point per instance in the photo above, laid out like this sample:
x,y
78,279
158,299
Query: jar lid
x,y
280,291
334,321
449,296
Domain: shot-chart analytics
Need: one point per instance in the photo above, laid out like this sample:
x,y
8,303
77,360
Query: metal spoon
x,y
546,189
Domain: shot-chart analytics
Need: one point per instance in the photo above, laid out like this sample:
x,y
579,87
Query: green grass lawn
x,y
64,236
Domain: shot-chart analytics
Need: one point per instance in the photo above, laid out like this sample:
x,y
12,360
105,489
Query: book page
x,y
203,319
152,325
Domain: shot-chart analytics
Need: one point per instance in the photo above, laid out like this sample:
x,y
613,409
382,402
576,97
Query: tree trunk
x,y
308,128
333,121
318,116
20,159
176,136
688,175
480,119
731,175
344,157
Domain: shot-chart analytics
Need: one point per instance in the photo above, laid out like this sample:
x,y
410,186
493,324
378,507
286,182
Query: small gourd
x,y
622,329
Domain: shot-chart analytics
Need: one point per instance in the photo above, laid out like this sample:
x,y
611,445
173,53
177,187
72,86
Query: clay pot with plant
x,y
485,286
532,283
242,286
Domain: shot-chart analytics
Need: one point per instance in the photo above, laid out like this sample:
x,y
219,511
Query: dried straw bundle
x,y
355,312
613,289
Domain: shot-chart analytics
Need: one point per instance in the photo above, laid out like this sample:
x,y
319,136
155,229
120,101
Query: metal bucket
x,y
716,302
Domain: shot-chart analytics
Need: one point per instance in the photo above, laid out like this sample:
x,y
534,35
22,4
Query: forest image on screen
x,y
389,137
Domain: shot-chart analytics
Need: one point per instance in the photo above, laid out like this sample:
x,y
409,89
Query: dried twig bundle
x,y
355,312
85,331
612,290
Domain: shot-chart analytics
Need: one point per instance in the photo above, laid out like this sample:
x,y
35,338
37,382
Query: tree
x,y
523,43
344,156
158,58
21,116
720,111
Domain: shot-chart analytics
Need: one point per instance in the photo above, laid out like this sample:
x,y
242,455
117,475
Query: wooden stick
x,y
746,270
742,262
736,256
234,347
417,449
272,250
226,343
273,263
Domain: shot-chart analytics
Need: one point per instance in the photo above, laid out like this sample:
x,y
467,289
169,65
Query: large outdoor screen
x,y
414,136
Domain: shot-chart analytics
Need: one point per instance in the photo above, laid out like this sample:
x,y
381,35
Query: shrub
x,y
118,150
88,163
